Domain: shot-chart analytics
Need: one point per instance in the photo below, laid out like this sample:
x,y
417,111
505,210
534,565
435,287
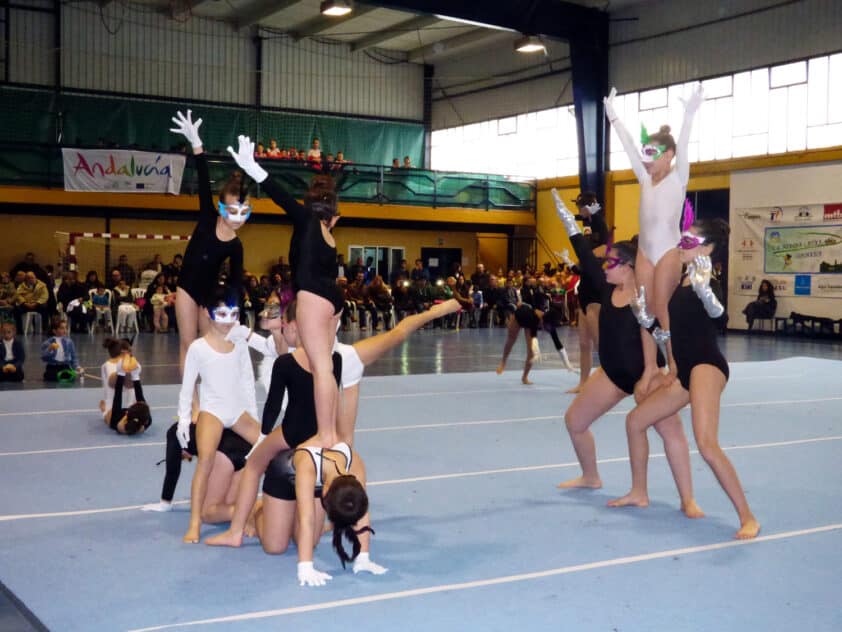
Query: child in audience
x,y
160,320
11,355
59,354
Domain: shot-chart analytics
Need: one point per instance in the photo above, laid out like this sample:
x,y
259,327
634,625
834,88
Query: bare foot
x,y
575,389
749,529
251,523
632,499
229,538
526,380
501,368
692,510
192,535
581,481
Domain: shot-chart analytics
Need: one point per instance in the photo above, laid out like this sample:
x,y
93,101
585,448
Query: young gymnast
x,y
226,395
695,307
622,371
662,191
213,240
124,418
108,371
312,256
530,320
590,212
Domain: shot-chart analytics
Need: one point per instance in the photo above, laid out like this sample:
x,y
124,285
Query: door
x,y
439,261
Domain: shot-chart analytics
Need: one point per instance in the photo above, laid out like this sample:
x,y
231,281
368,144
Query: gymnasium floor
x,y
463,466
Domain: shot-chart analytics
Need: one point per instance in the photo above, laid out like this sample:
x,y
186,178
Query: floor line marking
x,y
438,477
496,581
86,448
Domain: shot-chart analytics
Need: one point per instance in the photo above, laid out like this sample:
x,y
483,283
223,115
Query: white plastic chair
x,y
33,321
101,312
127,318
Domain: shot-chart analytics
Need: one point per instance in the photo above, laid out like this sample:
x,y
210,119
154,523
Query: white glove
x,y
608,102
244,157
187,128
309,576
564,255
238,333
565,215
256,443
363,564
182,433
694,102
136,373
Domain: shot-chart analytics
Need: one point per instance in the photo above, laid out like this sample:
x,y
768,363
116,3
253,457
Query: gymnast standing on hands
x,y
213,241
662,191
695,311
622,371
312,256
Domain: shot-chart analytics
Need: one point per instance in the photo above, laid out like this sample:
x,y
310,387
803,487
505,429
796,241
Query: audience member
x,y
12,354
273,151
28,265
764,306
419,271
73,295
315,152
7,297
59,354
126,271
31,296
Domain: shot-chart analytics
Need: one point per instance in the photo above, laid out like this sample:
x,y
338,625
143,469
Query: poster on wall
x,y
122,171
797,249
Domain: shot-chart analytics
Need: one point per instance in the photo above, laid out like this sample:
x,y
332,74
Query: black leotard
x,y
312,259
527,318
694,333
590,291
299,423
205,252
620,346
117,410
232,445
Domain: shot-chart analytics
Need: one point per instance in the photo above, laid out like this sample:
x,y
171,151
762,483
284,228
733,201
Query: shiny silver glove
x,y
661,337
638,308
699,272
565,216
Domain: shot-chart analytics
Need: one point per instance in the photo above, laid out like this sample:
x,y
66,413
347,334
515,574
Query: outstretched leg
x,y
513,329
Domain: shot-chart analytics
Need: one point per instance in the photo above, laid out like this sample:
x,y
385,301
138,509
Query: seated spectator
x,y
12,354
480,278
155,264
123,303
28,265
291,154
396,164
73,297
91,280
255,295
260,151
403,300
147,277
7,297
31,296
419,271
159,301
126,271
466,303
315,152
480,309
382,298
59,354
114,279
302,155
764,306
407,163
100,298
362,301
369,271
507,301
422,295
273,151
340,158
349,310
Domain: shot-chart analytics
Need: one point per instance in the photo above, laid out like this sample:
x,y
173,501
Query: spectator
x,y
466,303
159,301
419,271
379,294
340,158
764,306
401,273
292,153
173,269
91,280
114,279
302,155
362,301
356,268
73,295
480,278
369,270
273,151
126,271
315,153
421,294
30,296
28,265
407,163
7,297
396,164
260,151
123,304
349,311
59,354
155,264
340,265
402,298
12,355
507,301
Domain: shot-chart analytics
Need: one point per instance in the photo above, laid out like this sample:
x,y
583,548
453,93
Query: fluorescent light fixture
x,y
493,27
336,8
530,44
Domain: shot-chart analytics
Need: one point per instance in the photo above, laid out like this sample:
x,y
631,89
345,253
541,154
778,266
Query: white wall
x,y
784,186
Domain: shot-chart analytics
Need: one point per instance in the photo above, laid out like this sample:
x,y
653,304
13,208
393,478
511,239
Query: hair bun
x,y
237,176
665,129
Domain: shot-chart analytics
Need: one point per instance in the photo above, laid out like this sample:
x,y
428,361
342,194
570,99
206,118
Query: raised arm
x,y
588,263
682,158
625,138
185,126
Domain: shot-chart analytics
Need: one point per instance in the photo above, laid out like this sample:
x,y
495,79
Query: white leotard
x,y
227,387
660,205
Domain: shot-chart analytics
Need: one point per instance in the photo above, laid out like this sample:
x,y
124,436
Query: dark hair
x,y
625,250
770,293
346,503
289,313
663,137
56,322
236,186
320,198
221,294
116,347
715,231
586,198
137,417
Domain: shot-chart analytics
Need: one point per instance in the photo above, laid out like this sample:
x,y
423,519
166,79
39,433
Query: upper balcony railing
x,y
41,166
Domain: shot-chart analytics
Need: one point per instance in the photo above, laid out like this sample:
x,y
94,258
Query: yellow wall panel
x,y
24,233
493,251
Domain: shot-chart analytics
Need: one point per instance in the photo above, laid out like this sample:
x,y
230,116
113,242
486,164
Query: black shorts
x,y
234,447
278,483
717,360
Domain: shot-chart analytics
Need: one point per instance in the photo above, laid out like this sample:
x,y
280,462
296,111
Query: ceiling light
x,y
530,44
336,8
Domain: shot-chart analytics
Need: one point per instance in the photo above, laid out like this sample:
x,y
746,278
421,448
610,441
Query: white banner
x,y
798,249
122,171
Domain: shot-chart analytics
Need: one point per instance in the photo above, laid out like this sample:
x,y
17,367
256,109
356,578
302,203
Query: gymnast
x,y
135,417
529,319
213,241
226,395
662,191
623,371
312,256
695,311
108,371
